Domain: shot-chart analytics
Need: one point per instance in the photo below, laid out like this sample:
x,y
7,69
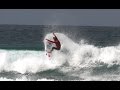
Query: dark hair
x,y
54,38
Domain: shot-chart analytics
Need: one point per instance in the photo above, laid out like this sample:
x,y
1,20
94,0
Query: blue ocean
x,y
88,53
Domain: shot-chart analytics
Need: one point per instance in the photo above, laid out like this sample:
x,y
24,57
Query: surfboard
x,y
48,48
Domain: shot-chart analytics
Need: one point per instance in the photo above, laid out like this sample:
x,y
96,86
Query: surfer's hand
x,y
54,34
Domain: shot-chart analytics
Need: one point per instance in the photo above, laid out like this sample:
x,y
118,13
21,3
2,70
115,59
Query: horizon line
x,y
61,25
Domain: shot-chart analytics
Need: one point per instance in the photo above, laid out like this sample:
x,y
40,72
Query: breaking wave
x,y
72,56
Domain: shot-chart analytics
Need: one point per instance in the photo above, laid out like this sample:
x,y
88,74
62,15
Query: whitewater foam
x,y
25,61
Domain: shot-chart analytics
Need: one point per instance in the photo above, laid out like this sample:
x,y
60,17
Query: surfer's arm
x,y
50,41
54,35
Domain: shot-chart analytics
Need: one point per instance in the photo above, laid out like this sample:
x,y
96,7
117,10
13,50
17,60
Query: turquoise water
x,y
31,36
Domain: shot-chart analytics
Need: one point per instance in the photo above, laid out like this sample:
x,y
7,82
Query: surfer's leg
x,y
52,49
55,49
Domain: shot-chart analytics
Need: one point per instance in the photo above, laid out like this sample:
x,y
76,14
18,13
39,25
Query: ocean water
x,y
88,53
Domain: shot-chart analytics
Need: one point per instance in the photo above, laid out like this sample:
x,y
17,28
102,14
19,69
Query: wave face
x,y
75,61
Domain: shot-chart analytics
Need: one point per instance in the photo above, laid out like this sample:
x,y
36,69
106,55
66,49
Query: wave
x,y
82,53
72,56
25,61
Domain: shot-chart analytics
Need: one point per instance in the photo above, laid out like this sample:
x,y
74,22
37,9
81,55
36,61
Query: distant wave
x,y
25,79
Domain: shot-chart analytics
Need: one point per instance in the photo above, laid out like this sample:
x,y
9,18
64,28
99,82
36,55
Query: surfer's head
x,y
54,38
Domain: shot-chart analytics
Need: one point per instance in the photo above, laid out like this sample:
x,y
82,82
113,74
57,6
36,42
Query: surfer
x,y
57,43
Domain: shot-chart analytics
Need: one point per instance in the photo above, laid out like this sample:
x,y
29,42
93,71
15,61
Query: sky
x,y
82,17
